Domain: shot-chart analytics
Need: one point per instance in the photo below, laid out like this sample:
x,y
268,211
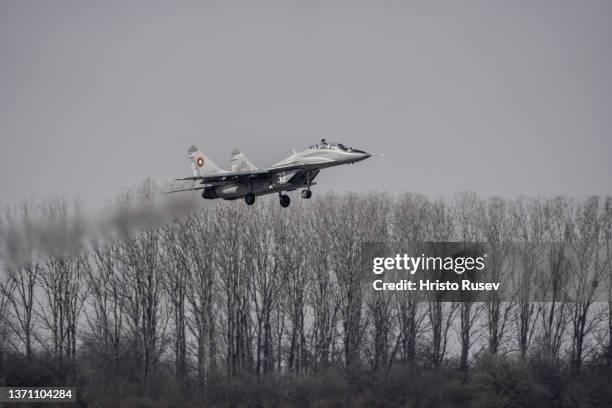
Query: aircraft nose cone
x,y
361,155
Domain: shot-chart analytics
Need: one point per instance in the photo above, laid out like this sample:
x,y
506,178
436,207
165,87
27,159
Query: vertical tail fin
x,y
240,162
201,164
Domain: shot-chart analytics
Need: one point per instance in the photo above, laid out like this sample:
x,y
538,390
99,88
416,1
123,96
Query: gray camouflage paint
x,y
245,180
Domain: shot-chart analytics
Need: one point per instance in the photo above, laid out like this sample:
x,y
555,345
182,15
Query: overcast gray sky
x,y
502,98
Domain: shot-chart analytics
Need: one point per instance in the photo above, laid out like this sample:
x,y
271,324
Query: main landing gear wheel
x,y
284,200
249,199
306,194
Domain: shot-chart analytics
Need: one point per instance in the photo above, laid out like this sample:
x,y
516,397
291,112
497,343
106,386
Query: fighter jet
x,y
247,181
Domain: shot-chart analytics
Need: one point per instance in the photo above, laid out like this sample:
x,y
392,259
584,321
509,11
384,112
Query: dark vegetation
x,y
262,306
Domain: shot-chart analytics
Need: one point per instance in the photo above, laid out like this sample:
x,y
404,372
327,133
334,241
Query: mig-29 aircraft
x,y
246,181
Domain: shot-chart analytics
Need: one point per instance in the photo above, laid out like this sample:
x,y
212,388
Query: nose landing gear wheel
x,y
249,199
306,194
284,200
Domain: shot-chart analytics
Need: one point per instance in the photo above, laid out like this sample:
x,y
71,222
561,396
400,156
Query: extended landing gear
x,y
306,193
284,200
249,199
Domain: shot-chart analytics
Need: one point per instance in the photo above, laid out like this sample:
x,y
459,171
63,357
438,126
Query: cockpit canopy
x,y
325,145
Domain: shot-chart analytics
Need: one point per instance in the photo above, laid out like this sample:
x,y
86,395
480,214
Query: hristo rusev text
x,y
428,285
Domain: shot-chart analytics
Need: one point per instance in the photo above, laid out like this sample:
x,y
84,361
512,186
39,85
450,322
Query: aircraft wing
x,y
230,176
294,167
227,176
184,189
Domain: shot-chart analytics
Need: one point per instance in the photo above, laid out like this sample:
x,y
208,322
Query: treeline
x,y
230,304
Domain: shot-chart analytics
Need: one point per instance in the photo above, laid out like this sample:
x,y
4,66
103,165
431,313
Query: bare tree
x,y
22,265
234,281
554,314
267,246
323,288
530,229
176,277
380,306
410,226
198,246
588,264
6,291
607,238
61,284
61,280
105,314
143,258
343,246
497,232
352,221
289,238
466,206
441,312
